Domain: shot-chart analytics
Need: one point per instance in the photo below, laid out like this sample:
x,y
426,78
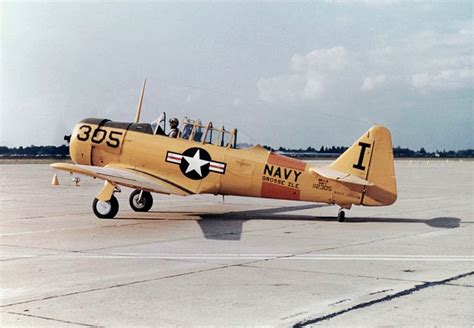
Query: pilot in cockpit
x,y
187,128
174,133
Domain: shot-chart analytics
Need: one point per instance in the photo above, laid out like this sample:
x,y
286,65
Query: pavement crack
x,y
193,237
117,225
339,302
371,241
387,298
35,256
380,291
52,319
118,285
331,273
34,247
461,285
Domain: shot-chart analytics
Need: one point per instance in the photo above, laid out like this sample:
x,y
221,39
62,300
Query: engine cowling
x,y
97,141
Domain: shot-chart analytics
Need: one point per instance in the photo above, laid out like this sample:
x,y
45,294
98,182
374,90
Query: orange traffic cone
x,y
55,181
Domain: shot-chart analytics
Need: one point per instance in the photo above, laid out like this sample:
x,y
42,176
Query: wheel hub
x,y
139,203
104,207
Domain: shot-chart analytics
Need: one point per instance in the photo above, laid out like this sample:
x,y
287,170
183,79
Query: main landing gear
x,y
140,201
105,209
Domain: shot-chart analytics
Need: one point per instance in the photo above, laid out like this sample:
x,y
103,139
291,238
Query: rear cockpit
x,y
195,130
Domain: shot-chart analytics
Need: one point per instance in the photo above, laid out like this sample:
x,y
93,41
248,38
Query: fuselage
x,y
200,167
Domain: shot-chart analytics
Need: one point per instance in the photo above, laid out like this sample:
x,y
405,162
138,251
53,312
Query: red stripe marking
x,y
284,161
272,190
176,156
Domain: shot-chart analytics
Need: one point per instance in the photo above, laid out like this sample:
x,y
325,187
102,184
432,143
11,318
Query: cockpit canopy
x,y
196,131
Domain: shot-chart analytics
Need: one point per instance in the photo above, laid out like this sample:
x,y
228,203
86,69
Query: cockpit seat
x,y
198,136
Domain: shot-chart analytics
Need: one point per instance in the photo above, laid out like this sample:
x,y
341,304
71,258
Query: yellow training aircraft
x,y
206,160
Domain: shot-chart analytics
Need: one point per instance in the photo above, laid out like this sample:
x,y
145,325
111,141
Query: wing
x,y
126,176
340,176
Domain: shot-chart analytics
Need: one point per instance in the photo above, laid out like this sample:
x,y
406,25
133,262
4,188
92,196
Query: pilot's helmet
x,y
174,120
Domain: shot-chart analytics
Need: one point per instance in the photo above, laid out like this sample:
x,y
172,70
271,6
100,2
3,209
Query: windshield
x,y
159,125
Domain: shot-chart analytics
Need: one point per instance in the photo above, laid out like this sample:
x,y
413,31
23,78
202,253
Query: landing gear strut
x,y
341,216
105,209
140,201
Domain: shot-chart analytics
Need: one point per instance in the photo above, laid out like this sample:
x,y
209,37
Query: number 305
x,y
99,135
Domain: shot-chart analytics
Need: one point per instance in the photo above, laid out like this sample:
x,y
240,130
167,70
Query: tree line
x,y
398,152
333,151
35,151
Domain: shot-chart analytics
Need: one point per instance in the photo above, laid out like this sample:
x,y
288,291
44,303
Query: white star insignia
x,y
195,163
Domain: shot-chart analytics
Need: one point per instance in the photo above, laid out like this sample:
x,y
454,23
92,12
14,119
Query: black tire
x,y
107,209
341,216
144,205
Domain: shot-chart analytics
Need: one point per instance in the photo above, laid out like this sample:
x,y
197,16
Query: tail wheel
x,y
341,216
141,201
105,209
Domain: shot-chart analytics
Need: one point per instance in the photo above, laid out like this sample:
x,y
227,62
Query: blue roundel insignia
x,y
195,163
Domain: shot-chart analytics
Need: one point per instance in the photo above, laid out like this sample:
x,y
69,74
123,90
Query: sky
x,y
292,74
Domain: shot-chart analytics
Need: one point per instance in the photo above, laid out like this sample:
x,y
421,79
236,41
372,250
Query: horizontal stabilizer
x,y
340,176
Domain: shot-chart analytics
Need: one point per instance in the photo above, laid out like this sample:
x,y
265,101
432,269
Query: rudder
x,y
371,158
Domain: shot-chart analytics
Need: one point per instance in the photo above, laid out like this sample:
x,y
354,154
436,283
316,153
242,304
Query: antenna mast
x,y
140,101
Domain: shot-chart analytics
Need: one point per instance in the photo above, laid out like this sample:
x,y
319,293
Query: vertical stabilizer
x,y
371,158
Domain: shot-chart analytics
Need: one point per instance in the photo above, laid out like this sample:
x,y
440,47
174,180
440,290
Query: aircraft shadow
x,y
228,226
